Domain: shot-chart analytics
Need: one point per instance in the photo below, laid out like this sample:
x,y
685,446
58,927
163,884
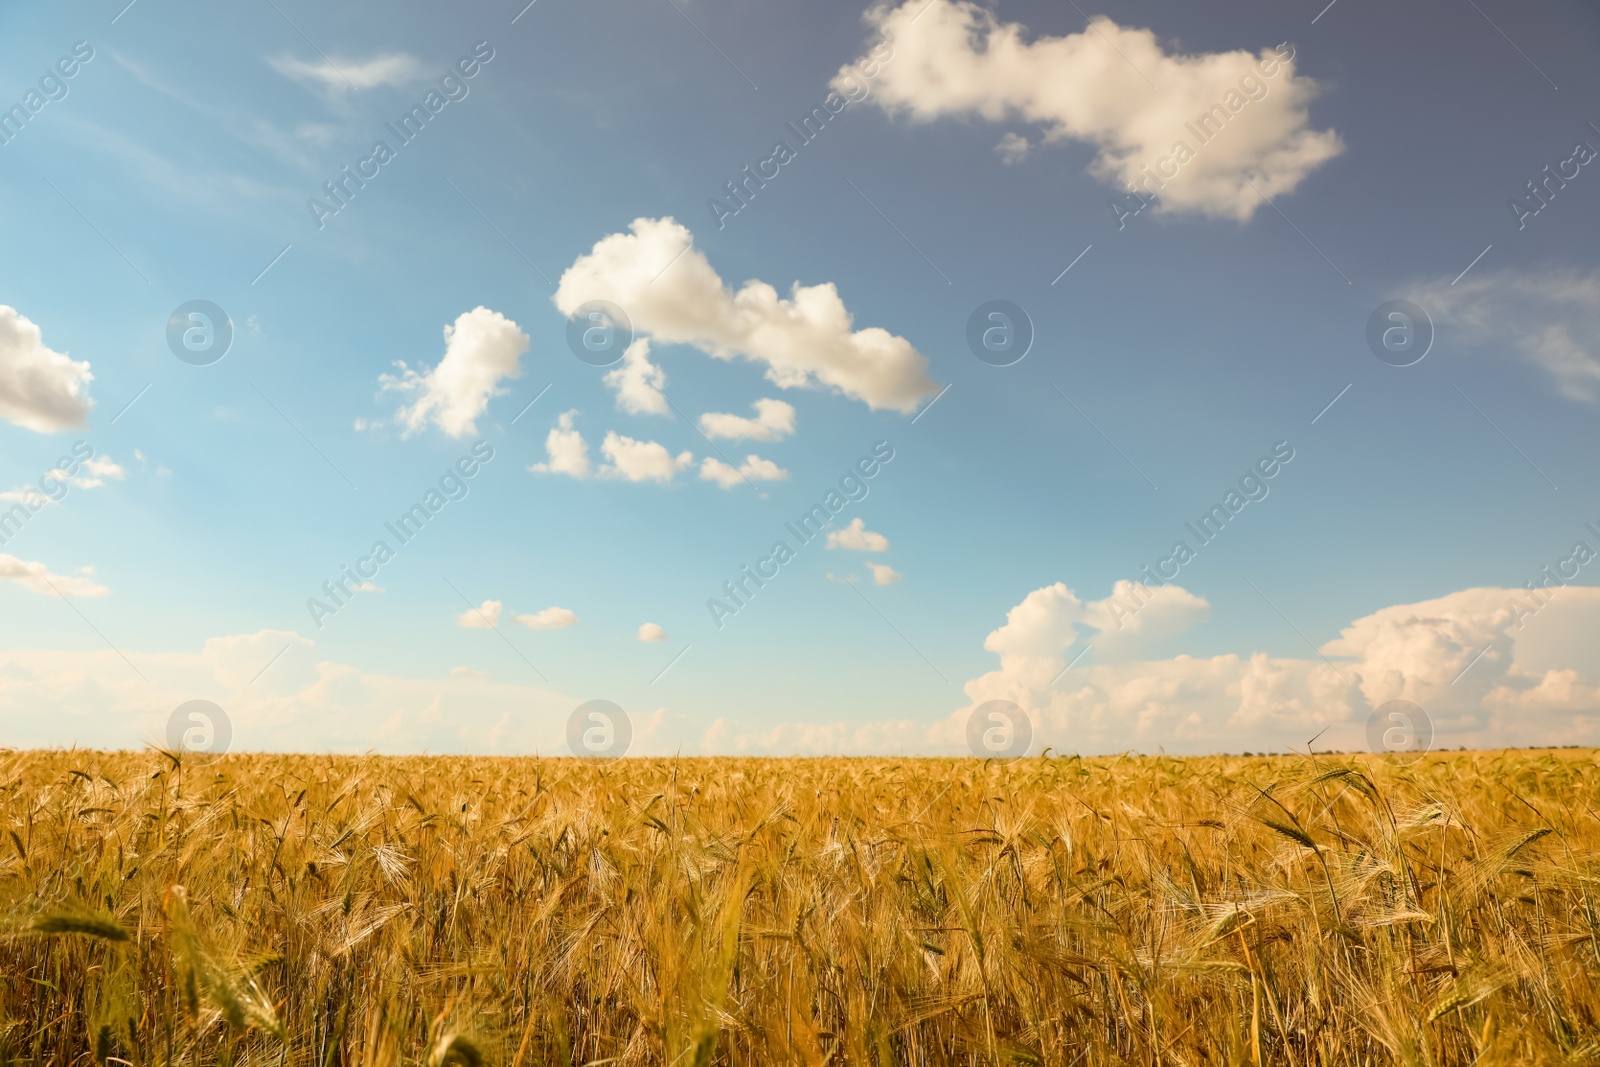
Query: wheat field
x,y
317,910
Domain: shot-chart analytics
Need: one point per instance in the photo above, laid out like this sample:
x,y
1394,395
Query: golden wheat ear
x,y
101,926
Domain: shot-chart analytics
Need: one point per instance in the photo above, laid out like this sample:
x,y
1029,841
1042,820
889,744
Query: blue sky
x,y
1191,341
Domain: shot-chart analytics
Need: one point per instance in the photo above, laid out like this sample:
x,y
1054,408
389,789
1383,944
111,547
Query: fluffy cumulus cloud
x,y
1134,617
652,633
36,577
858,538
1550,318
883,574
774,420
485,616
630,460
40,389
1489,667
1081,703
640,461
549,619
672,293
753,469
568,452
1036,633
638,382
482,348
1240,117
389,68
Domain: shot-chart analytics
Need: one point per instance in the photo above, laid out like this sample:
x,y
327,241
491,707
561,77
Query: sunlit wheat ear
x,y
99,926
1465,993
1482,872
1426,817
240,1000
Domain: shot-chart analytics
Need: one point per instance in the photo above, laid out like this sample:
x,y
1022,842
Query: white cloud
x,y
1538,683
1417,652
713,469
549,619
1013,148
858,538
805,341
762,470
368,587
1551,318
37,577
651,633
92,474
774,420
40,389
485,616
1118,89
52,697
638,382
640,461
1035,634
1039,630
1136,616
482,348
567,450
272,661
393,68
901,736
883,574
631,460
754,469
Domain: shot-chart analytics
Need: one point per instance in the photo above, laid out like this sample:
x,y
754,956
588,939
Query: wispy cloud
x,y
343,74
37,577
1549,317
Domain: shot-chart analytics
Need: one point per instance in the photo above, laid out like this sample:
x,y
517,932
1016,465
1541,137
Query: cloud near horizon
x,y
1483,664
299,703
1488,668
